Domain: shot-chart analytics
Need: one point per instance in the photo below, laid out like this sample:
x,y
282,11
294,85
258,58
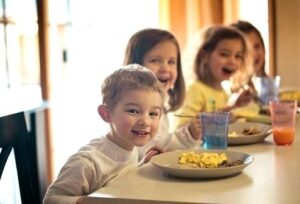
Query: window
x,y
19,62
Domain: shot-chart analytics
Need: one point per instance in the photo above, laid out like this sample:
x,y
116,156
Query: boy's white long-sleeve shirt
x,y
88,170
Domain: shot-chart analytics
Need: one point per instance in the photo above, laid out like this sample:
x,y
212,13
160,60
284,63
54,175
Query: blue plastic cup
x,y
215,130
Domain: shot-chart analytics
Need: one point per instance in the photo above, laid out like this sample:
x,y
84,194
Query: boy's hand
x,y
195,127
155,150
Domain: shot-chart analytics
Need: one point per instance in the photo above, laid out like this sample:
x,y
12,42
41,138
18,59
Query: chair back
x,y
14,136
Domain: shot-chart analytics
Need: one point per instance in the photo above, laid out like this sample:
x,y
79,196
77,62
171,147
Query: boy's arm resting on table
x,y
73,181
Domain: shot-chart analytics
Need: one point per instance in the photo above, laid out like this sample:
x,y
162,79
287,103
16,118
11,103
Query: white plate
x,y
241,138
168,162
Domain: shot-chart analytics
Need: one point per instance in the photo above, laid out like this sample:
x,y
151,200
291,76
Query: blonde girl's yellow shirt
x,y
200,98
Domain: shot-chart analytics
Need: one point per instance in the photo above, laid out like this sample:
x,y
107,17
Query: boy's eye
x,y
154,114
132,111
172,62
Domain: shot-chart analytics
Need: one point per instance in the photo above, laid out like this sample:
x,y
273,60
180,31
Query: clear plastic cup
x,y
283,116
267,89
215,129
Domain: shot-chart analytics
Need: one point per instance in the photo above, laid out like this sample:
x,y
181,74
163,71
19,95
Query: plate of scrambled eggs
x,y
202,163
247,133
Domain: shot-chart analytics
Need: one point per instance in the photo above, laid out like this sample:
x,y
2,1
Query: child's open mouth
x,y
164,81
228,71
256,62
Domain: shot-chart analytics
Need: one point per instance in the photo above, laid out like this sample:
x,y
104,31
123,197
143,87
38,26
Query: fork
x,y
183,116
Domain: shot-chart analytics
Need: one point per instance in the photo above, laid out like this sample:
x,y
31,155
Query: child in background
x,y
222,55
258,54
258,46
132,106
159,51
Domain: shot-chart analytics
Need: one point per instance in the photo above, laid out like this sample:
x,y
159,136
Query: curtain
x,y
185,17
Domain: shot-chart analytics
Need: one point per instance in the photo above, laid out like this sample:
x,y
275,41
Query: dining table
x,y
273,177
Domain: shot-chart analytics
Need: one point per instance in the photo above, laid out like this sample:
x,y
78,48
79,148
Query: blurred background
x,y
61,50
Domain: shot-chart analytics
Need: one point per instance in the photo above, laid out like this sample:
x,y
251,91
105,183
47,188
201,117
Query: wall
x,y
287,37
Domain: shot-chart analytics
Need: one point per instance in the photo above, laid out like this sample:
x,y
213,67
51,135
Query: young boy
x,y
132,105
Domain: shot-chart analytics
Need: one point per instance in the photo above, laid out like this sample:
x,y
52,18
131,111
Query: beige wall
x,y
287,37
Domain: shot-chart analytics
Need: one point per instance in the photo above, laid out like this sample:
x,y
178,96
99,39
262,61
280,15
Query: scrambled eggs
x,y
290,95
203,160
232,134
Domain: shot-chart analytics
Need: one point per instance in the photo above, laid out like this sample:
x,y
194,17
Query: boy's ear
x,y
104,113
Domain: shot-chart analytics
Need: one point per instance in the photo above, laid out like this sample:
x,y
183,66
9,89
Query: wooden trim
x,y
42,8
43,48
173,17
230,11
272,37
178,20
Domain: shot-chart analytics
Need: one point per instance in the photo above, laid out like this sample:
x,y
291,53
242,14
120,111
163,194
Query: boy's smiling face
x,y
135,118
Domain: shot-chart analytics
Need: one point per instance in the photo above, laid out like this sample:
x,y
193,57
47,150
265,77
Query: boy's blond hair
x,y
127,78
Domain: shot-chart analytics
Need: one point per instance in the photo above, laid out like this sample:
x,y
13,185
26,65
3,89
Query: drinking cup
x,y
215,129
267,89
283,116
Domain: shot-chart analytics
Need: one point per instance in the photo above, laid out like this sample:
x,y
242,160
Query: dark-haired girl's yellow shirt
x,y
200,98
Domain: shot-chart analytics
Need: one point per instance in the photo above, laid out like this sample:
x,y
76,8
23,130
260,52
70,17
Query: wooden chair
x,y
14,136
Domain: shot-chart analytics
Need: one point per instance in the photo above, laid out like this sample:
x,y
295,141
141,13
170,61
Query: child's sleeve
x,y
79,176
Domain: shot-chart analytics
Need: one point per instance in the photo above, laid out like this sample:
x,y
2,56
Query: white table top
x,y
273,177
